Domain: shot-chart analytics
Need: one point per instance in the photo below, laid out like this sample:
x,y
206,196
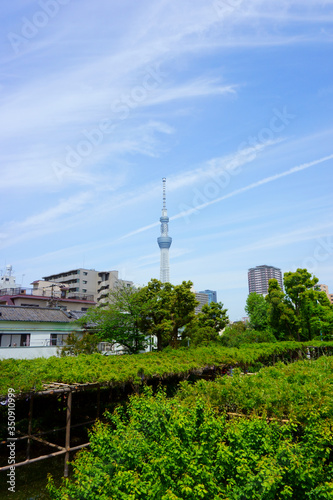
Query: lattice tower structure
x,y
164,241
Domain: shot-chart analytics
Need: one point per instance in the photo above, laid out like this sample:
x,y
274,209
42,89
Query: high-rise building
x,y
259,277
164,241
203,299
212,295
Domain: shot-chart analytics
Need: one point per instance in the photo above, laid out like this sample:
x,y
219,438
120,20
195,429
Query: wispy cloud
x,y
282,239
254,185
64,214
199,173
49,110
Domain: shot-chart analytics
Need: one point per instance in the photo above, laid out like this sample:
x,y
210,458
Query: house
x,y
31,332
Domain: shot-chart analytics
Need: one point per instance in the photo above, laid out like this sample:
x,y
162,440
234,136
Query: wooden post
x,y
68,431
30,425
98,400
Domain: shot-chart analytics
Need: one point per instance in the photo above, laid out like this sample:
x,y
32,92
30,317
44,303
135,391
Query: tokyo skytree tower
x,y
164,241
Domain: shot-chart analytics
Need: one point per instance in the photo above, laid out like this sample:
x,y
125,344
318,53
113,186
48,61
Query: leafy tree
x,y
281,316
257,310
196,335
80,344
214,316
311,306
232,333
238,333
207,325
132,315
165,310
303,312
118,321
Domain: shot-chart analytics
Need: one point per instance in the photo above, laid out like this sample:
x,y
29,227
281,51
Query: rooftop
x,y
42,314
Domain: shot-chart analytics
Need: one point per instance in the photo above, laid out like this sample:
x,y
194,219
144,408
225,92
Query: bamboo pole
x,y
44,457
34,436
47,443
68,432
31,403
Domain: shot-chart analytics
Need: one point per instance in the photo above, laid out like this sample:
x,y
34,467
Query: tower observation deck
x,y
164,241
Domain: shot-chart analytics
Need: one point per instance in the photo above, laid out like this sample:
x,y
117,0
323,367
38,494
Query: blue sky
x,y
231,101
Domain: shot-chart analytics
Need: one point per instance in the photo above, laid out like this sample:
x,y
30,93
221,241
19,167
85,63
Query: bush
x,y
237,334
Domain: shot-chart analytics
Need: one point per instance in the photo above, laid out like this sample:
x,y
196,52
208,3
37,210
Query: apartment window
x,y
84,290
85,273
84,282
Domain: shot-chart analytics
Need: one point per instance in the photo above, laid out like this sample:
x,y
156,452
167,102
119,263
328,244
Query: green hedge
x,y
28,375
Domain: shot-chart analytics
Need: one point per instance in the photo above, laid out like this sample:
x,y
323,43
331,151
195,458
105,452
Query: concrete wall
x,y
27,352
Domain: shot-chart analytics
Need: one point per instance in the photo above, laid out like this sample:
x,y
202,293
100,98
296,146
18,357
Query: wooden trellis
x,y
50,389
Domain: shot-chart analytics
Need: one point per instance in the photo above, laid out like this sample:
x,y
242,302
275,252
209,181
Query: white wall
x,y
27,352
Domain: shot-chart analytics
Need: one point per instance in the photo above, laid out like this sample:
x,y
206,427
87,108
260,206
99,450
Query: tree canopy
x,y
257,309
166,310
207,324
119,320
132,316
303,312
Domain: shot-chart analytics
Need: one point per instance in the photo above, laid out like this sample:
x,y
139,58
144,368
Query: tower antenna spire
x,y
164,193
164,241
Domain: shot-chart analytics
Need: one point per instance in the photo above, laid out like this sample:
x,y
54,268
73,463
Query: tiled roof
x,y
42,314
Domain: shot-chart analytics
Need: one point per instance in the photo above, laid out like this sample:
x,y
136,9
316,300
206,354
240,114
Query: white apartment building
x,y
82,282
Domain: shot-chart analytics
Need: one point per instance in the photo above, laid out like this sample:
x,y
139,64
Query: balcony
x,y
80,296
103,284
16,291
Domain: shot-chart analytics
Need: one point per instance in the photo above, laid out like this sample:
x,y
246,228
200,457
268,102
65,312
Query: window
x,y
85,273
25,340
84,290
58,339
84,282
